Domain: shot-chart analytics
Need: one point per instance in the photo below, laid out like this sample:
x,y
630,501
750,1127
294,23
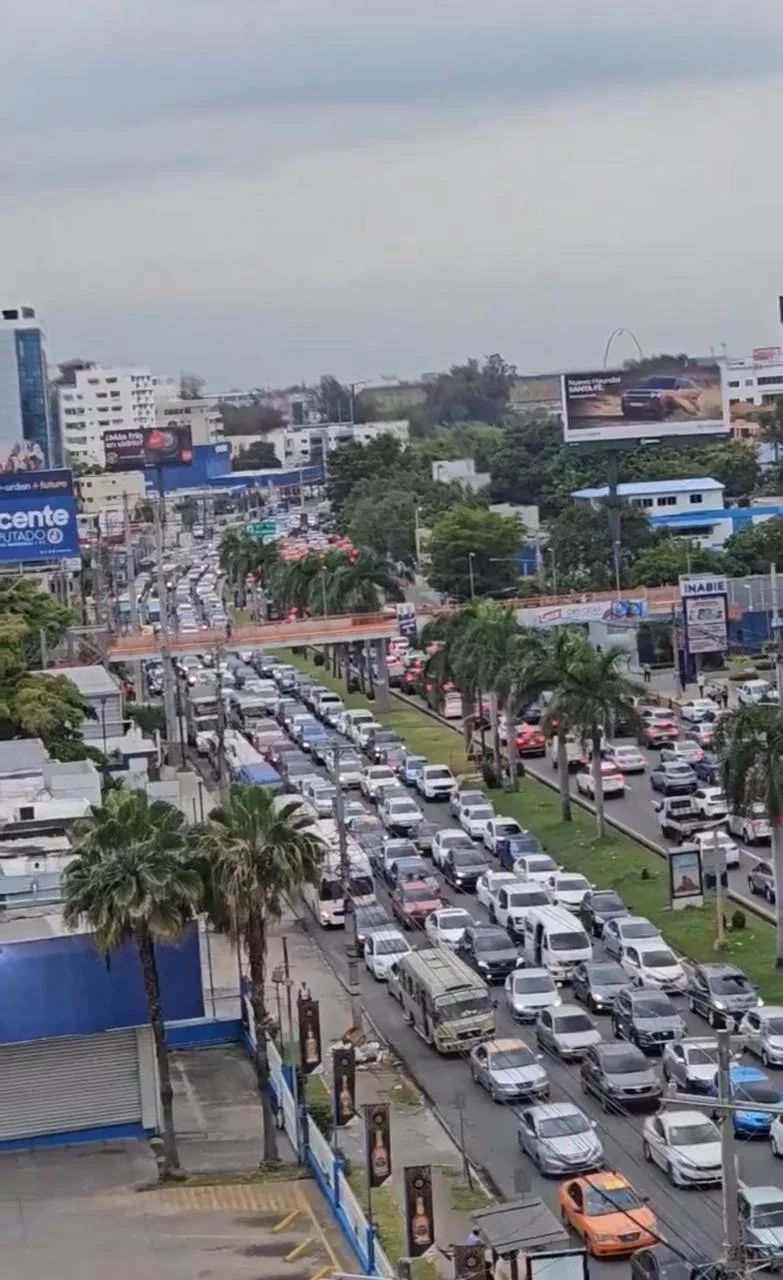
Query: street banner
x,y
377,1143
469,1262
309,1035
419,1214
344,1085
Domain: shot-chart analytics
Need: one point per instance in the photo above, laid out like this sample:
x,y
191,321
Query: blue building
x,y
211,469
25,420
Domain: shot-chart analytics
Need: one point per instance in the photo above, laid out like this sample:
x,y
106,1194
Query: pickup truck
x,y
679,818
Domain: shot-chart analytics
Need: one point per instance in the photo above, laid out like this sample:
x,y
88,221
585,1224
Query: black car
x,y
508,849
620,1077
322,745
598,906
488,949
720,993
663,1263
422,836
369,918
597,982
463,867
647,1018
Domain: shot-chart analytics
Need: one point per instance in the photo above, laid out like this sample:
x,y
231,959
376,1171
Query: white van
x,y
348,721
554,940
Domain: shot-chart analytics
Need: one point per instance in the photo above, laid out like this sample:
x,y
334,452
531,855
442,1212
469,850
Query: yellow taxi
x,y
610,1216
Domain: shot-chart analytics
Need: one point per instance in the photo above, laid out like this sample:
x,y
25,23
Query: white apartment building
x,y
310,444
751,383
101,400
202,416
662,497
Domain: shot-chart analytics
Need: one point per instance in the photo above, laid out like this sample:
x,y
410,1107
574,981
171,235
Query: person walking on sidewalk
x,y
647,673
700,683
725,697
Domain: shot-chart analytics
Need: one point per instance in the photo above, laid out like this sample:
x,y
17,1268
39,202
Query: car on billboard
x,y
659,396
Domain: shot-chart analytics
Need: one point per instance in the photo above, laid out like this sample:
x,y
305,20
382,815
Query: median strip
x,y
619,862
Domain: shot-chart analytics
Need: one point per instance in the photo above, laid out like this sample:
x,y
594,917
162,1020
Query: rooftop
x,y
22,755
92,682
648,488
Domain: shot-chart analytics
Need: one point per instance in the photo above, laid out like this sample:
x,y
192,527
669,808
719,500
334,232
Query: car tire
x,y
751,886
646,1152
775,1151
712,1019
765,1062
616,1030
691,1004
671,1175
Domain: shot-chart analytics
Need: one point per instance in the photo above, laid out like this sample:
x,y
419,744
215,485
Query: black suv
x,y
598,906
720,993
488,949
647,1018
463,867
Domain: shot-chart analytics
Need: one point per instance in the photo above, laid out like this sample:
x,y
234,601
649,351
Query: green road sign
x,y
262,529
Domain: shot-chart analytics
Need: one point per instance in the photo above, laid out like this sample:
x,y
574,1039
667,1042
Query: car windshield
x,y
689,1135
390,946
773,1026
607,975
436,773
624,1062
366,917
531,984
454,920
662,959
757,1091
566,942
466,857
572,1022
507,828
677,770
462,1006
572,883
402,806
417,893
528,898
468,798
701,1057
564,1126
361,886
480,813
600,1201
505,1059
348,761
607,902
768,1215
540,864
492,940
411,868
730,984
639,929
653,1007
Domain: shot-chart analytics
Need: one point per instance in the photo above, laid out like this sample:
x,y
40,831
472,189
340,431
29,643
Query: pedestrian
x,y
304,991
474,1236
700,684
725,696
647,673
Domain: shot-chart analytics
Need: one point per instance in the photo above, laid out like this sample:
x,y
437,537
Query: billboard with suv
x,y
658,400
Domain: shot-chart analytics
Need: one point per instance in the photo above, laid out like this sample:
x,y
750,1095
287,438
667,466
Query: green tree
x,y
580,540
191,386
242,554
591,691
753,548
385,524
258,855
442,637
749,742
482,659
665,561
472,391
258,456
468,544
130,882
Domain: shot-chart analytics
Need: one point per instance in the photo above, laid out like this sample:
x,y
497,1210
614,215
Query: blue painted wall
x,y
62,987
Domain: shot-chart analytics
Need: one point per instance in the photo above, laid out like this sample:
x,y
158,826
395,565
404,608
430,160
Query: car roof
x,y
505,1046
714,968
547,1110
685,1117
760,1195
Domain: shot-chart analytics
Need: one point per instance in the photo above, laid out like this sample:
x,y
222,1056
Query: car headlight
x,y
482,964
719,1004
602,1238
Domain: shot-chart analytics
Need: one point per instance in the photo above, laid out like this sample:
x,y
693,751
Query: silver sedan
x,y
560,1139
507,1069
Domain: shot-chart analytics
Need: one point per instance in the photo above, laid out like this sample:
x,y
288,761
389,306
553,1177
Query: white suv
x,y
435,782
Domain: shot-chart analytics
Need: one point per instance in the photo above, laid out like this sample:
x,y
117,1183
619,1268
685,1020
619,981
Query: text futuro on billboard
x,y
678,400
37,516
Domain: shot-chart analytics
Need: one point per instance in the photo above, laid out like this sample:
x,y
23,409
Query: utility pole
x,y
130,570
349,914
728,1160
776,631
169,705
223,778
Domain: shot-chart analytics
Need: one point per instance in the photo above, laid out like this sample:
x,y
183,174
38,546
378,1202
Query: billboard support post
x,y
615,519
169,707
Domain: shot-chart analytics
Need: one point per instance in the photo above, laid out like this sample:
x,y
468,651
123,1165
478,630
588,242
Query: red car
x,y
412,901
658,732
530,740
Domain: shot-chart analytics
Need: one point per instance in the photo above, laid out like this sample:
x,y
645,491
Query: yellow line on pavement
x,y
299,1249
286,1221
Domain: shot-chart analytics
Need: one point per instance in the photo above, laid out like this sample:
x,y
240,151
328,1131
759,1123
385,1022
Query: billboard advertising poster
x,y
309,1034
685,886
344,1085
377,1143
706,627
419,1215
677,400
38,519
149,447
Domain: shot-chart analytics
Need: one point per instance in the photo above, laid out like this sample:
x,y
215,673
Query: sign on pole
x,y
705,613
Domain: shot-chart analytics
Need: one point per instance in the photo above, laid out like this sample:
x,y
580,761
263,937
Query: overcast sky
x,y
262,190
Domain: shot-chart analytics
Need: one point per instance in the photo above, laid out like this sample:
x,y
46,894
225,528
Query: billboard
x,y
767,355
705,611
580,611
148,447
677,399
37,516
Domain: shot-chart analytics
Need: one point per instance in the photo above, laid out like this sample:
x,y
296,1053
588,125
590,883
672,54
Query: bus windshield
x,y
466,1004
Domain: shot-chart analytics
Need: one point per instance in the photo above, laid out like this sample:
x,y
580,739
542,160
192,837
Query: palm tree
x,y
258,854
590,692
442,636
750,744
131,881
362,583
481,657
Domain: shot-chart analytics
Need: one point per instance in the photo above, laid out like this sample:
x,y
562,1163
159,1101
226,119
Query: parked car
x,y
400,813
567,1032
609,1215
559,1139
671,778
647,1019
711,801
761,880
749,1085
658,730
464,797
499,828
761,1225
625,757
596,983
568,890
510,905
446,926
752,692
489,950
528,991
721,993
762,1033
620,1077
463,867
612,782
435,782
653,964
508,1070
698,709
367,920
598,907
753,826
412,901
686,1145
473,819
510,848
375,776
410,768
535,867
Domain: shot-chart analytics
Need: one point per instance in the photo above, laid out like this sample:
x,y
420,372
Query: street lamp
x,y
471,558
323,590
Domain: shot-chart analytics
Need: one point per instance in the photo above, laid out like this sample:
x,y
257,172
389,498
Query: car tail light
x,y
618,777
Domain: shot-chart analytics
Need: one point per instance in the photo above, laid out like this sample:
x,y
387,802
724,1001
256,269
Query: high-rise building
x,y
26,437
100,400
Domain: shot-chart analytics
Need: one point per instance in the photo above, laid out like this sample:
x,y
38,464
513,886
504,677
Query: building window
x,y
733,384
771,380
748,382
696,497
734,401
666,502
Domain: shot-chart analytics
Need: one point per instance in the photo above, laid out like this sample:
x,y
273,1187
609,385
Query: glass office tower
x,y
26,431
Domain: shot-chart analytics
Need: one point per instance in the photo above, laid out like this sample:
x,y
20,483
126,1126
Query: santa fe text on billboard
x,y
37,516
609,406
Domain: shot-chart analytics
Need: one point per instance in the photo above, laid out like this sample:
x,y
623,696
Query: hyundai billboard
x,y
37,516
170,446
662,400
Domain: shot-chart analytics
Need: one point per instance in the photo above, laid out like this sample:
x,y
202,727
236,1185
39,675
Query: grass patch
x,y
467,1199
387,1218
403,1097
233,1177
239,617
617,862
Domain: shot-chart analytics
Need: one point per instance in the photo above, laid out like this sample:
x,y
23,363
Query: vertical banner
x,y
377,1143
309,1035
419,1224
344,1085
468,1262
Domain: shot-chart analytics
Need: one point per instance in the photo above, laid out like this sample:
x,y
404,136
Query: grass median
x,y
617,862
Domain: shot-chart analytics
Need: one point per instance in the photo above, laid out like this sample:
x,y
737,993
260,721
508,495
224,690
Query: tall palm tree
x,y
362,583
258,853
750,744
591,691
483,654
131,881
442,636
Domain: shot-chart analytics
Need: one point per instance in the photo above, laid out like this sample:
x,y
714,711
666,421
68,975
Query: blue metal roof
x,y
648,488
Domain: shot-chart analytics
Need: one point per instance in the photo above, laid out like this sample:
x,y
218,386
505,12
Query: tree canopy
x,y
472,542
473,391
259,455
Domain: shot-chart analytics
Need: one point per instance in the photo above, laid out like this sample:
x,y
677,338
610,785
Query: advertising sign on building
x,y
699,585
705,613
614,405
37,516
767,355
148,447
583,611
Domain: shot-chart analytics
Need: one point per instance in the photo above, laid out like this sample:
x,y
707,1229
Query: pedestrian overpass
x,y
340,629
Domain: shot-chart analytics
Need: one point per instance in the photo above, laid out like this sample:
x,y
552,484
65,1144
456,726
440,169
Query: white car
x,y
528,991
686,1145
435,782
651,963
474,818
612,782
490,882
698,709
537,867
381,949
711,801
568,890
753,827
627,930
459,799
444,840
446,926
625,758
574,748
361,734
321,795
762,1033
375,776
752,692
498,829
510,904
707,839
401,813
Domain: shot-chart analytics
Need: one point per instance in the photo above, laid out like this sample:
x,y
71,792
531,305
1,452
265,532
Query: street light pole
x,y
348,907
471,558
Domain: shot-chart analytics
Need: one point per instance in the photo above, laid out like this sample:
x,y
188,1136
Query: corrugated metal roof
x,y
647,488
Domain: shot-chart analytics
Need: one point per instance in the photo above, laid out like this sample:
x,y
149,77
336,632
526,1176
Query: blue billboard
x,y
37,516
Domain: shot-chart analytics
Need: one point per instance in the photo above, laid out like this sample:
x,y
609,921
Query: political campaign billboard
x,y
663,400
37,516
148,447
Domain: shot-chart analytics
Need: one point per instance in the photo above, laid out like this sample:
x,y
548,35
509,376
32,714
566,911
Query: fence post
x,y
372,1232
337,1168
